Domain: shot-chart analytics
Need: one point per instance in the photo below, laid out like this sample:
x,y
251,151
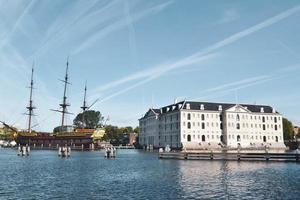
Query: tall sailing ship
x,y
80,138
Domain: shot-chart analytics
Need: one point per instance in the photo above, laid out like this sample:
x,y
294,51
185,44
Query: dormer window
x,y
262,109
179,106
220,108
173,107
273,110
188,106
201,107
168,109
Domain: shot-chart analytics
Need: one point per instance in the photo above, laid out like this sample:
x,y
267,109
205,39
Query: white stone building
x,y
205,125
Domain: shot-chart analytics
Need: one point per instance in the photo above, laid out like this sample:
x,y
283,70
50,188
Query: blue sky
x,y
140,54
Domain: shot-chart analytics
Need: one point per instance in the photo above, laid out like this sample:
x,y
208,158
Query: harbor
x,y
138,174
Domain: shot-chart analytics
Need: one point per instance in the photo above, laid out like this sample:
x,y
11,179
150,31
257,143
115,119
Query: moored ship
x,y
80,138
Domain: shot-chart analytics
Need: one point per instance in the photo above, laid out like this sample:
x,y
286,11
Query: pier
x,y
232,156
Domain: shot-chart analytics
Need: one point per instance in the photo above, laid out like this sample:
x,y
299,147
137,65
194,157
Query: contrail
x,y
6,37
249,31
160,70
242,86
155,71
226,88
244,81
117,25
131,38
216,46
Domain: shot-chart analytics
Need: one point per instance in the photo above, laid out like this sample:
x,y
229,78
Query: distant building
x,y
204,125
296,130
132,138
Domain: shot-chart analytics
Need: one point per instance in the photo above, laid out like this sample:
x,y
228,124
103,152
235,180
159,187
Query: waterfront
x,y
136,174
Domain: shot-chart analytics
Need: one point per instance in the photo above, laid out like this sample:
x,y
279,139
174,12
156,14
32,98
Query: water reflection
x,y
141,175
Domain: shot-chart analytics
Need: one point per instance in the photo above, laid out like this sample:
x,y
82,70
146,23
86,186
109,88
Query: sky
x,y
138,54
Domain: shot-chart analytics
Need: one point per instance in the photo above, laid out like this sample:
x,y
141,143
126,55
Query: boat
x,y
80,138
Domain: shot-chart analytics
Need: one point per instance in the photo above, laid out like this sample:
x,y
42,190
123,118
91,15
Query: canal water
x,y
135,174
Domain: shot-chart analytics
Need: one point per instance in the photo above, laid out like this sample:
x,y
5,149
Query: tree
x,y
137,130
88,119
288,131
298,134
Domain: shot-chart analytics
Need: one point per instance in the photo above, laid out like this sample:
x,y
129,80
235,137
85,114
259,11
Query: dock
x,y
233,156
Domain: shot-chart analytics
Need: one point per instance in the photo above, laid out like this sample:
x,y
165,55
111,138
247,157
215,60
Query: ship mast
x,y
30,107
84,107
64,103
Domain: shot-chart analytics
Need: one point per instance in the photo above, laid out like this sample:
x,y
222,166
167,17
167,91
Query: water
x,y
136,174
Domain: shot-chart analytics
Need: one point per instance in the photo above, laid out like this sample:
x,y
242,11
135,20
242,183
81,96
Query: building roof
x,y
212,106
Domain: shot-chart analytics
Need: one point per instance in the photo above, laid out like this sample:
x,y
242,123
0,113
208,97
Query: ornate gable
x,y
238,108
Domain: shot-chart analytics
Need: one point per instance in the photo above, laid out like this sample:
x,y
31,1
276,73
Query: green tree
x,y
88,119
288,130
137,130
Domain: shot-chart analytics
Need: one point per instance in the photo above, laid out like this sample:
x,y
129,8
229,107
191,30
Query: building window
x,y
264,127
189,125
189,138
276,138
263,119
203,138
275,119
189,116
238,138
202,117
238,126
275,127
237,117
265,139
203,125
221,117
221,126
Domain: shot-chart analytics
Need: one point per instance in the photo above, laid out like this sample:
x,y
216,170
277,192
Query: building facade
x,y
205,125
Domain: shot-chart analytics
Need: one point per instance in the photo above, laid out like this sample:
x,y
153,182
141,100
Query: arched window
x,y
265,139
263,119
189,116
275,127
238,138
203,138
202,117
203,125
189,125
237,117
189,138
238,126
